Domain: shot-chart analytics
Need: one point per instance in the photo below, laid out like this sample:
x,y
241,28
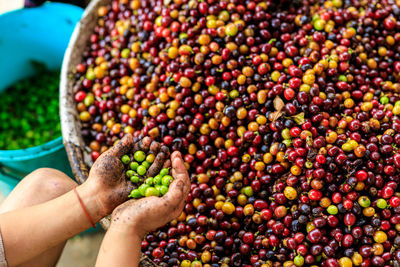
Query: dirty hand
x,y
107,176
149,213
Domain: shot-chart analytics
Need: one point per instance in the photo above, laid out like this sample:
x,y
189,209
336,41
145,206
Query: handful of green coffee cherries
x,y
138,164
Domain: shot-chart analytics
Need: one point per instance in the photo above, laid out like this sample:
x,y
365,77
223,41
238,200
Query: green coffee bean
x,y
164,172
129,173
135,179
139,156
151,191
136,193
167,180
142,188
157,179
149,181
141,170
146,164
134,165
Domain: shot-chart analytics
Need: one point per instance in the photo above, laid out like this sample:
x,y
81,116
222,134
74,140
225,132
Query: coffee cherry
x,y
286,114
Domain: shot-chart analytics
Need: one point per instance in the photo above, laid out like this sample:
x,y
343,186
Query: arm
x,y
133,219
120,247
30,231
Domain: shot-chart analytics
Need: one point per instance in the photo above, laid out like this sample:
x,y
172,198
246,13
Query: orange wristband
x,y
84,209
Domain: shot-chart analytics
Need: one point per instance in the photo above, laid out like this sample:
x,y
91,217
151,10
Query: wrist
x,y
126,226
91,201
108,197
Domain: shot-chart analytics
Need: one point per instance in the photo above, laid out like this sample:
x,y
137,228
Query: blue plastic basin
x,y
40,34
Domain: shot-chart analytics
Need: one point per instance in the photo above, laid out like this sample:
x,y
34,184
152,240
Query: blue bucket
x,y
34,34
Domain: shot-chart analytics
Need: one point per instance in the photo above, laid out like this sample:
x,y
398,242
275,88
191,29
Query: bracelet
x,y
84,209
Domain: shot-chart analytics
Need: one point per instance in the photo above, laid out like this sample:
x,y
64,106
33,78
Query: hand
x,y
107,176
149,213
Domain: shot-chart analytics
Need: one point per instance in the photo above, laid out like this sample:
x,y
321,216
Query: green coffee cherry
x,y
164,172
151,191
248,191
142,188
384,100
125,159
149,181
139,156
146,164
135,179
134,165
141,170
157,179
298,260
163,189
129,173
29,110
364,201
332,209
381,203
157,186
167,180
136,193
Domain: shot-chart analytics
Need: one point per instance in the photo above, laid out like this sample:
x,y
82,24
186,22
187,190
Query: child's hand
x,y
149,213
107,176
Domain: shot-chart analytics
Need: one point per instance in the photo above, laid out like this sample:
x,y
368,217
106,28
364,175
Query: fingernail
x,y
165,149
180,184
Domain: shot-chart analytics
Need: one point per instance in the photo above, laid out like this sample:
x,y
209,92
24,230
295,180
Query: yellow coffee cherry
x,y
345,262
357,259
290,193
380,237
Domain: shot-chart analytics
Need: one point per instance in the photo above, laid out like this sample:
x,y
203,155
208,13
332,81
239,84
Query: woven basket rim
x,y
70,122
78,152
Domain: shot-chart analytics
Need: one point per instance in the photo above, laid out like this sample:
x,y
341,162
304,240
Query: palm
x,y
108,172
150,213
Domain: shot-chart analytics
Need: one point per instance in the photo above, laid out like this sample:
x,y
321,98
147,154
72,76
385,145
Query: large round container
x,y
70,123
40,34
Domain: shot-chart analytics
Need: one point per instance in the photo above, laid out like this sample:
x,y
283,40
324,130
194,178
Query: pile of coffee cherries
x,y
29,110
286,113
137,166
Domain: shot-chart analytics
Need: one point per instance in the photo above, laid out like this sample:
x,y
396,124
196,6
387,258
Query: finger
x,y
175,196
167,164
108,165
155,147
157,165
122,208
179,209
124,146
179,189
143,145
175,211
128,188
165,149
179,171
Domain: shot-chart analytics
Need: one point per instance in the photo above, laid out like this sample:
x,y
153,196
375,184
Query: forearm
x,y
30,231
120,247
